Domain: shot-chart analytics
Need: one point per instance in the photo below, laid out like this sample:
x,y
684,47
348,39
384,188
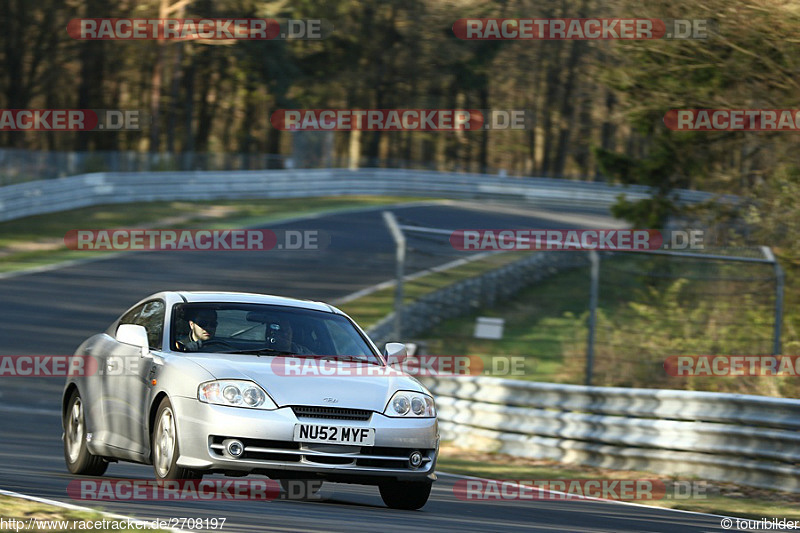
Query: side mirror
x,y
395,352
135,336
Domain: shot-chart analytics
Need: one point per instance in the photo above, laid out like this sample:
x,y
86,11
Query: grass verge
x,y
35,516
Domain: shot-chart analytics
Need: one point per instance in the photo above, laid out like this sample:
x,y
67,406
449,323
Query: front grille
x,y
332,413
384,457
329,460
260,449
286,452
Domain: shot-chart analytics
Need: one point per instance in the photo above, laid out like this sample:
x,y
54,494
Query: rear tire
x,y
406,495
76,454
164,448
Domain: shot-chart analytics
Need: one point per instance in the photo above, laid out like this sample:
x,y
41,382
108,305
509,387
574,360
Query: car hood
x,y
353,385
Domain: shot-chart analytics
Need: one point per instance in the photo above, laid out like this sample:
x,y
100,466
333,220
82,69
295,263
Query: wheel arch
x,y
68,391
151,417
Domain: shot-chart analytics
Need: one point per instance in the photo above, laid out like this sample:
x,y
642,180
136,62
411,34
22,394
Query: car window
x,y
346,341
151,316
314,335
130,316
232,323
248,327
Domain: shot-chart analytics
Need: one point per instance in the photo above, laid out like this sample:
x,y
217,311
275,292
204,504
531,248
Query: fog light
x,y
235,448
415,459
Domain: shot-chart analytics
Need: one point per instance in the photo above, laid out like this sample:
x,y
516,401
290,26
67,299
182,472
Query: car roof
x,y
251,298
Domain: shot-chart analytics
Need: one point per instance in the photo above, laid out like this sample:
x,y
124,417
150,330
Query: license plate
x,y
334,434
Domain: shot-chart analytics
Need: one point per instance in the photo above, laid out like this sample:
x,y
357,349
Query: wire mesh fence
x,y
650,307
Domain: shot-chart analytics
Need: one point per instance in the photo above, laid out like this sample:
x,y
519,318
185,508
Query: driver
x,y
202,325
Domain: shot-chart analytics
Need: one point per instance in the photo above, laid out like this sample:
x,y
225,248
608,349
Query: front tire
x,y
406,495
164,446
76,454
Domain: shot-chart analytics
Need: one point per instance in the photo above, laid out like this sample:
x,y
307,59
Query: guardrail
x,y
48,196
751,440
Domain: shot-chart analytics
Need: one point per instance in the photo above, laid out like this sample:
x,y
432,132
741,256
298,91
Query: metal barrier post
x,y
776,347
595,259
400,241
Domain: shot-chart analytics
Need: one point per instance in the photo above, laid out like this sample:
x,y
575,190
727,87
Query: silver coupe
x,y
216,382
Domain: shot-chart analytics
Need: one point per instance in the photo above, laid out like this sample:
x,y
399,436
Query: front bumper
x,y
271,450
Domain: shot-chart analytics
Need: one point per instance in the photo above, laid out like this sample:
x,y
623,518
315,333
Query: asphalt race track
x,y
52,312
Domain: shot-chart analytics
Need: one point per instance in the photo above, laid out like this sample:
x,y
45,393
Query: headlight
x,y
418,406
400,404
410,404
235,393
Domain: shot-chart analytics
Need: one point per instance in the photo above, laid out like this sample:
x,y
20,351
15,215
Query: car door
x,y
127,376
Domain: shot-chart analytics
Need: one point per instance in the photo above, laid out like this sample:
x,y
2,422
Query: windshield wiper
x,y
272,351
350,358
265,351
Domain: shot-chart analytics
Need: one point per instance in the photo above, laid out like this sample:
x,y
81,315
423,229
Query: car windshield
x,y
257,329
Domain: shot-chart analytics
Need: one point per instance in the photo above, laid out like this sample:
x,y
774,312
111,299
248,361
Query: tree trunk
x,y
188,156
484,153
155,85
91,55
567,109
175,103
